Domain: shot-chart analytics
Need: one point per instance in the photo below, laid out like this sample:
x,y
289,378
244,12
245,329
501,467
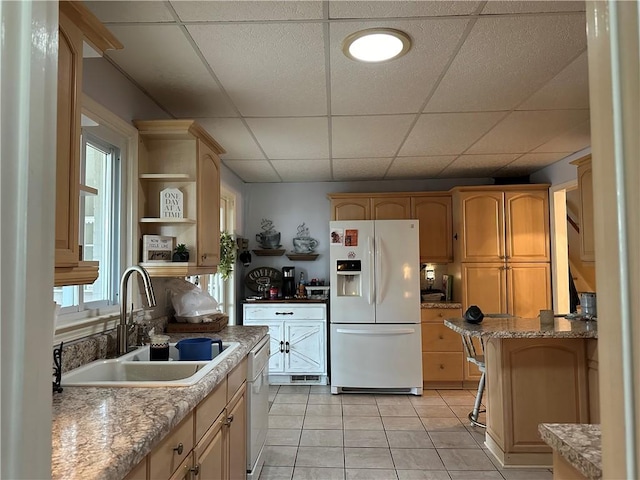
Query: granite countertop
x,y
281,300
452,305
105,432
579,444
518,327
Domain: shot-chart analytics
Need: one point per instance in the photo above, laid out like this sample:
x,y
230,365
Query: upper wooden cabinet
x,y
76,26
390,208
180,154
367,206
350,208
585,189
434,215
502,223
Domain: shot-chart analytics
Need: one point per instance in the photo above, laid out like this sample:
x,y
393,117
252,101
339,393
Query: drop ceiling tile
x,y
234,137
418,167
521,132
232,11
130,11
381,9
448,133
253,171
536,6
571,141
351,169
399,86
375,136
303,170
476,165
506,59
160,59
529,163
273,70
568,89
292,138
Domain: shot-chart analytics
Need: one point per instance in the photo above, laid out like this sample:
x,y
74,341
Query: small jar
x,y
273,293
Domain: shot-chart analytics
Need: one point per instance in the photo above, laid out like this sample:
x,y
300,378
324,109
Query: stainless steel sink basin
x,y
135,370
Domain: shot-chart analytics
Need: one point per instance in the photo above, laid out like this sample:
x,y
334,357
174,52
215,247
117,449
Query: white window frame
x,y
80,324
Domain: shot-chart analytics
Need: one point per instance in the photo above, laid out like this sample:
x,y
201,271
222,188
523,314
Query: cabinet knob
x,y
441,337
441,367
229,420
195,470
281,346
286,347
203,257
440,314
179,449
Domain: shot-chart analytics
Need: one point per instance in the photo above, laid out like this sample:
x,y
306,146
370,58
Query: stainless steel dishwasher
x,y
257,406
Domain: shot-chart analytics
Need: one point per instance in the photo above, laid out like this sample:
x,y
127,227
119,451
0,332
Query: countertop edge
x,y
578,444
526,328
117,445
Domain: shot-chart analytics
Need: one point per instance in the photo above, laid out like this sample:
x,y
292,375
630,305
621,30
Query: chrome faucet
x,y
123,328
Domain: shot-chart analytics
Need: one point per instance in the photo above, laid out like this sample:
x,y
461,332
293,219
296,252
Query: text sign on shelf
x,y
171,203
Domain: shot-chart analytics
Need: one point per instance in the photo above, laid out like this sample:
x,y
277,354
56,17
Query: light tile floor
x,y
316,435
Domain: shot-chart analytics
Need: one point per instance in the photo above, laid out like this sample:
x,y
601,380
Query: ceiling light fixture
x,y
375,45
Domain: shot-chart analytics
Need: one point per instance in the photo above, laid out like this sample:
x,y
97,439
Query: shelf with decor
x,y
302,257
269,252
179,193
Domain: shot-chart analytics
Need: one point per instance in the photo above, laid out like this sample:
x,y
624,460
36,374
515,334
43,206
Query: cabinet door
x,y
350,208
165,459
208,207
482,226
305,346
68,143
237,436
527,226
276,344
529,288
434,215
387,208
585,187
484,285
210,453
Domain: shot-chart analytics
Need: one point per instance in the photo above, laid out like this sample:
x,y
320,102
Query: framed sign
x,y
171,203
157,248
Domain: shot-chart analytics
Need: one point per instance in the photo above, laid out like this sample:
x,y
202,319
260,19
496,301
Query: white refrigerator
x,y
375,339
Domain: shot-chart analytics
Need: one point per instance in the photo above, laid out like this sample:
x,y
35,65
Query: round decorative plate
x,y
261,277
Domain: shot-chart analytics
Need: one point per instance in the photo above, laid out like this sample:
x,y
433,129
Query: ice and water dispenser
x,y
349,278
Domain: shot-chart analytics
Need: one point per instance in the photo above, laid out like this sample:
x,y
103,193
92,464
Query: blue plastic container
x,y
195,349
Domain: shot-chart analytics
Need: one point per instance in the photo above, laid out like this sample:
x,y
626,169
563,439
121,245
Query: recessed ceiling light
x,y
376,45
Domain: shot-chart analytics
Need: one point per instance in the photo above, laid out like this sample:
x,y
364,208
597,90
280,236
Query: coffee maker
x,y
288,282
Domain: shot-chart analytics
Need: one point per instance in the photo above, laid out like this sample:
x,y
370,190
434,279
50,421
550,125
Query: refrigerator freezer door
x,y
353,295
397,271
376,357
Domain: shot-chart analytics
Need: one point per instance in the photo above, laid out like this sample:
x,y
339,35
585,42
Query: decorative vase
x,y
180,257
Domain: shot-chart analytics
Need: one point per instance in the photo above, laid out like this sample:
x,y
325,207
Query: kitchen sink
x,y
135,370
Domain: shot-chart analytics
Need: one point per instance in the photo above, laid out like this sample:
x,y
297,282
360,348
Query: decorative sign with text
x,y
171,204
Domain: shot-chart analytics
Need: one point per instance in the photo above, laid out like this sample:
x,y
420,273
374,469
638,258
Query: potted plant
x,y
228,249
180,253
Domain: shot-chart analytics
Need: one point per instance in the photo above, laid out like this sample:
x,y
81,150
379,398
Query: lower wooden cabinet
x,y
593,379
209,443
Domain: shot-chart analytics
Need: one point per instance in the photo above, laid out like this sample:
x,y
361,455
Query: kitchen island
x,y
106,432
535,374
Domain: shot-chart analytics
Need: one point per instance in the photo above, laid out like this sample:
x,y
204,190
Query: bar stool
x,y
476,358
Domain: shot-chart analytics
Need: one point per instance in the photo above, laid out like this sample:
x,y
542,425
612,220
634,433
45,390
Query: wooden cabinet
x,y
585,189
502,249
210,442
298,339
532,381
497,225
139,472
593,377
436,232
180,154
442,356
432,209
76,25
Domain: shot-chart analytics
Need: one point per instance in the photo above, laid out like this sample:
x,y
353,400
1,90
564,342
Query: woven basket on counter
x,y
219,321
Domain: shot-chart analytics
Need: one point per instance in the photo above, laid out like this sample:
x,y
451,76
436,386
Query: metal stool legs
x,y
475,413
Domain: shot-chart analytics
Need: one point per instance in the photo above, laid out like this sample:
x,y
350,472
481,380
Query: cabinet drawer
x,y
439,314
236,377
438,338
442,367
165,458
283,311
208,409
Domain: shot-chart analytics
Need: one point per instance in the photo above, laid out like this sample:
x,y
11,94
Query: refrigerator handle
x,y
372,284
378,271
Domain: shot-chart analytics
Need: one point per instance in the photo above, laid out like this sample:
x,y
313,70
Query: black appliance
x,y
288,282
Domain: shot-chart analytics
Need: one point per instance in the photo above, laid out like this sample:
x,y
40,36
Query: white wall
x,y
560,172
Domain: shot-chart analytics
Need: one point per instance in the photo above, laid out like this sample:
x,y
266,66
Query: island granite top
x,y
579,444
442,304
518,327
103,433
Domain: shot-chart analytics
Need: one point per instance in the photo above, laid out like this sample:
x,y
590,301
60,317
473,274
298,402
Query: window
x,y
100,179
